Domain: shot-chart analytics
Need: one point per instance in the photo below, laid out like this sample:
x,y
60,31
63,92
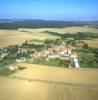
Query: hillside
x,y
30,23
13,37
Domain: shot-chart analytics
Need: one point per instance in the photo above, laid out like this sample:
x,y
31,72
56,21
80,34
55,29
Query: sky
x,y
49,9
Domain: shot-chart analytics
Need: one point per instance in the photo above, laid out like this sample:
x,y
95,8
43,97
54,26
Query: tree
x,y
85,46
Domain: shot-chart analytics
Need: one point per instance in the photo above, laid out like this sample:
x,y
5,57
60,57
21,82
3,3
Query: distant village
x,y
66,52
63,52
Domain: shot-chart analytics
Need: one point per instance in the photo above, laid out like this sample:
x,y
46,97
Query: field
x,y
44,82
63,74
92,43
49,83
13,37
63,30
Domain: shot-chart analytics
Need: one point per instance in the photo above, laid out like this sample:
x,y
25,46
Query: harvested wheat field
x,y
63,30
7,32
38,82
13,89
13,37
58,74
92,43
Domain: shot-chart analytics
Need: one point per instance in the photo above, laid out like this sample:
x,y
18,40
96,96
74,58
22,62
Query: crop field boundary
x,y
86,84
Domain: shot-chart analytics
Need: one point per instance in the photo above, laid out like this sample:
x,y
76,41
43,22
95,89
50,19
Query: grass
x,y
6,72
51,62
87,58
4,67
6,61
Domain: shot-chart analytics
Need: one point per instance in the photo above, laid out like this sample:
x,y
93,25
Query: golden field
x,y
13,37
18,89
92,43
43,72
63,30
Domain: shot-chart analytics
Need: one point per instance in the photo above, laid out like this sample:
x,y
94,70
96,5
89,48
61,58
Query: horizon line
x,y
84,20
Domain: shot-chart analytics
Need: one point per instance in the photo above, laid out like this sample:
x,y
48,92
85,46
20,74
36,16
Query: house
x,y
13,67
21,60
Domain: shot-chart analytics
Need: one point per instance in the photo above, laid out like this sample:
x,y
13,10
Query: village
x,y
63,52
68,51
